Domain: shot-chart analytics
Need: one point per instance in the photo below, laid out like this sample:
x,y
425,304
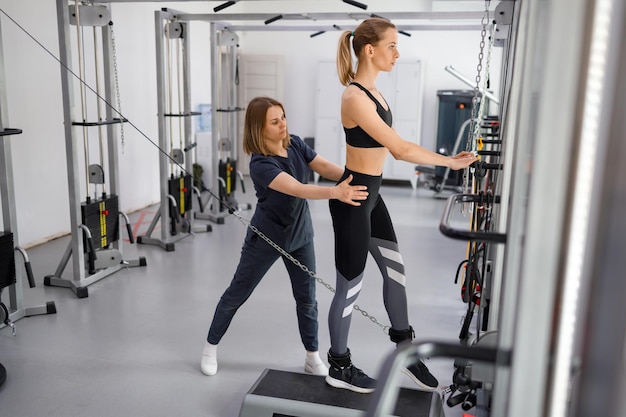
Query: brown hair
x,y
256,112
370,31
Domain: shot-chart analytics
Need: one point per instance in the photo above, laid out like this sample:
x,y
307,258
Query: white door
x,y
329,141
259,75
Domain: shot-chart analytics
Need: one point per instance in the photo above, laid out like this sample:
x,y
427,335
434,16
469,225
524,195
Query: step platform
x,y
289,394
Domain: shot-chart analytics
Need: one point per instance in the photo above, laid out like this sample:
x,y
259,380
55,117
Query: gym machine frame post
x,y
163,19
222,37
16,309
110,260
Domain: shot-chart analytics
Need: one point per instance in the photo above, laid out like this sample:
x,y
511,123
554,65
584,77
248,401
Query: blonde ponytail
x,y
344,59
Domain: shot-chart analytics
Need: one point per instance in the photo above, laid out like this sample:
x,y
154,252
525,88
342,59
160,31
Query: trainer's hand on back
x,y
462,160
350,194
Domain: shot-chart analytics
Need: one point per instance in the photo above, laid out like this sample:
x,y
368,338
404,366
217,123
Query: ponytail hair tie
x,y
352,34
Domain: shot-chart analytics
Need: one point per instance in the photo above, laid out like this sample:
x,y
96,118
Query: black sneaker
x,y
420,374
351,378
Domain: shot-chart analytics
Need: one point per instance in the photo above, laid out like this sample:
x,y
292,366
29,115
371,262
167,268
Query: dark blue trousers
x,y
257,256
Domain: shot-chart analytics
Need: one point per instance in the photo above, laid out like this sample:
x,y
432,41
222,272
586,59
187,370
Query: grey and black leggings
x,y
360,230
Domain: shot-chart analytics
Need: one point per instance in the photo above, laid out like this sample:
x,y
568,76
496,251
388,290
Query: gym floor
x,y
133,346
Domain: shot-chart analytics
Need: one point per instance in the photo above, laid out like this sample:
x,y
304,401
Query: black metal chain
x,y
117,85
470,145
312,274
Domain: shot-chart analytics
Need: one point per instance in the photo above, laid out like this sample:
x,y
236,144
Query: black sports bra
x,y
357,137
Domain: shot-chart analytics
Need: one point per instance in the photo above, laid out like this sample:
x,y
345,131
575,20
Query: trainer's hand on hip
x,y
349,194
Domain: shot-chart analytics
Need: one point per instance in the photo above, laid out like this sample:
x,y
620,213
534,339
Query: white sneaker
x,y
208,364
314,365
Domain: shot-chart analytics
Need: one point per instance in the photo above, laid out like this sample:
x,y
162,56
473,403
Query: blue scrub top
x,y
285,219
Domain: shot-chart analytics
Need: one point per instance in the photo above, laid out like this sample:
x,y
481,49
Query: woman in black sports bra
x,y
366,118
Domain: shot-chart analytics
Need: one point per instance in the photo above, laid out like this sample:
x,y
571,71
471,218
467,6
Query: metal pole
x,y
215,117
467,81
78,261
161,100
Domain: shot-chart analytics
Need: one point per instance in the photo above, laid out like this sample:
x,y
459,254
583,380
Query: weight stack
x,y
7,260
227,170
102,218
180,188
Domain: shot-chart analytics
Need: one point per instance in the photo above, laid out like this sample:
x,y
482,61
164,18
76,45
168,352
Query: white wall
x,y
35,104
435,49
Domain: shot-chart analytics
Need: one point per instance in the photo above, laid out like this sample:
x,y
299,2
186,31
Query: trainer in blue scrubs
x,y
279,167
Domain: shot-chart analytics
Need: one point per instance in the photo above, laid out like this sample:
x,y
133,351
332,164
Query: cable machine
x,y
95,247
11,276
173,35
557,285
225,117
472,384
176,213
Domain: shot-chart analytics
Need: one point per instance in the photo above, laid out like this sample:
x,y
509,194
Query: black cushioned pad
x,y
314,389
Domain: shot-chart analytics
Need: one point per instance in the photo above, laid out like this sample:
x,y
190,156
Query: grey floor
x,y
133,346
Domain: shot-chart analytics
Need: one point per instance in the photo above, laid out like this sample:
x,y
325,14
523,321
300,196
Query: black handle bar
x,y
449,231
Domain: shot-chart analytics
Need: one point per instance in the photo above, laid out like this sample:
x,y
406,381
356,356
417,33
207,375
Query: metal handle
x,y
174,208
91,253
129,228
449,231
29,270
243,185
199,194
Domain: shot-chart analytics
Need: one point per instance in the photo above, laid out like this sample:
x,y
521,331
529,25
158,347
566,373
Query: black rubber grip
x,y
29,274
129,229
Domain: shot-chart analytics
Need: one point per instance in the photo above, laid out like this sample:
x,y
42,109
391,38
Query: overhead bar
x,y
334,16
323,28
222,21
